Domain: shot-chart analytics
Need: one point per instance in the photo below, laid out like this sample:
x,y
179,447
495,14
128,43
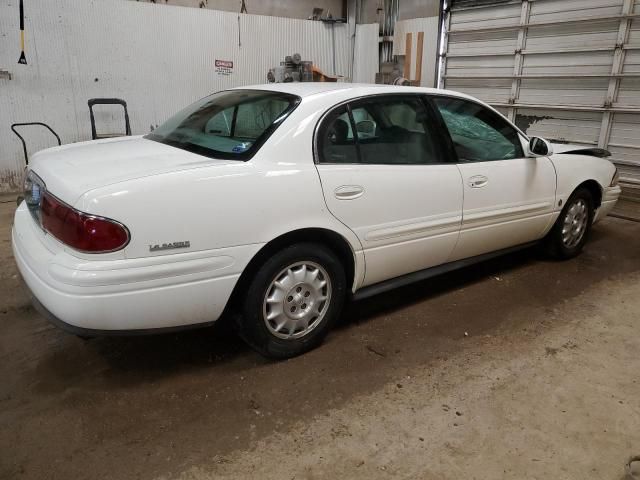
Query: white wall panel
x,y
575,63
157,59
624,144
631,62
490,16
482,43
560,11
634,33
495,90
595,34
553,91
629,93
567,126
480,65
366,57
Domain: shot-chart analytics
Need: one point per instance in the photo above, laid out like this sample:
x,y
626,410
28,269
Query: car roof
x,y
308,89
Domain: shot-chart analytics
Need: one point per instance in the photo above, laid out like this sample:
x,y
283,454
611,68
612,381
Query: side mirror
x,y
539,147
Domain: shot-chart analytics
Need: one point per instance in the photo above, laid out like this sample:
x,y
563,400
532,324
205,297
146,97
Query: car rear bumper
x,y
93,332
118,296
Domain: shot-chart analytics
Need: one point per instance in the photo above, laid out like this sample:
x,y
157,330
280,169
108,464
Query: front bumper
x,y
118,295
609,198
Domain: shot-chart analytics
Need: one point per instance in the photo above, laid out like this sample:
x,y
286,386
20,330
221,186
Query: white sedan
x,y
275,203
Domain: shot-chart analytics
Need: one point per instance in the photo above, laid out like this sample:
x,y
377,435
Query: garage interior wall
x,y
158,59
278,8
566,70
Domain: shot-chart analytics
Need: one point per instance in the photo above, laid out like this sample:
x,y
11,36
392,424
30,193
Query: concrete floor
x,y
627,209
517,368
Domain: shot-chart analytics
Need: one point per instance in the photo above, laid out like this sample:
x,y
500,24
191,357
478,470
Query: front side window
x,y
232,124
478,134
381,130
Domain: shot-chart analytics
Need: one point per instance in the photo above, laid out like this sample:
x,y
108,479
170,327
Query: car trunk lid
x,y
71,170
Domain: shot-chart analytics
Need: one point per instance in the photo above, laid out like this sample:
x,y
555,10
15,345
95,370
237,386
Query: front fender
x,y
573,170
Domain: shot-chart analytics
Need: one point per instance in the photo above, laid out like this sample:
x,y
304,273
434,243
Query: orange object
x,y
320,76
407,56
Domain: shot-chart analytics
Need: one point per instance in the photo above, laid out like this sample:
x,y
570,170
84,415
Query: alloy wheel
x,y
575,223
297,300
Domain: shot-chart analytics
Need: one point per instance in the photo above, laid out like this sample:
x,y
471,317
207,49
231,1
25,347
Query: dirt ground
x,y
517,368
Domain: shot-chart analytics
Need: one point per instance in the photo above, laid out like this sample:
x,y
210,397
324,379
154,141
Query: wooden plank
x,y
407,56
419,57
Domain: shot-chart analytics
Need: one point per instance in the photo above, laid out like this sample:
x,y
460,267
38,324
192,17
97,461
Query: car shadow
x,y
220,343
422,291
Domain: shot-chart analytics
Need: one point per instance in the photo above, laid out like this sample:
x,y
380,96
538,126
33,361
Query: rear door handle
x,y
348,192
478,181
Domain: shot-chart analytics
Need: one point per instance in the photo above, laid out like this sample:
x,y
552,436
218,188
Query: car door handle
x,y
348,192
478,181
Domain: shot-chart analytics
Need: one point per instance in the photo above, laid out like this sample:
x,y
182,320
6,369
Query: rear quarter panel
x,y
227,205
213,208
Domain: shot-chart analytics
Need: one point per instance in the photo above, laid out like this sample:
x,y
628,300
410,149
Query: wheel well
x,y
334,241
594,189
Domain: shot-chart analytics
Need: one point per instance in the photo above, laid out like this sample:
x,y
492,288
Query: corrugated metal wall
x,y
278,8
567,70
157,59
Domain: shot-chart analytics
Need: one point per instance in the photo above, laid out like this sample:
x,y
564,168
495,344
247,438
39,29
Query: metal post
x,y
333,45
616,69
445,46
518,60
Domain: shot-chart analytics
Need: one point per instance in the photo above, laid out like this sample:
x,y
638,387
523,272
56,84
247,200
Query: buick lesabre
x,y
277,203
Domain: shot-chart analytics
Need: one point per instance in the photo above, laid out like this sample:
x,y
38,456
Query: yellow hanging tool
x,y
22,59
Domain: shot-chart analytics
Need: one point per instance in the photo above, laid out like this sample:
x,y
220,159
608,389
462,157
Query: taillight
x,y
82,231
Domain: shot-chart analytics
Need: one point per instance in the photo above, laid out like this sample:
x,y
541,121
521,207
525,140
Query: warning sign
x,y
224,67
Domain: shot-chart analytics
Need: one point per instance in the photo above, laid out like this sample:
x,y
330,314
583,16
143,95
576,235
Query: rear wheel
x,y
292,301
571,230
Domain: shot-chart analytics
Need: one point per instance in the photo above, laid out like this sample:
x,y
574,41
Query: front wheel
x,y
292,301
570,232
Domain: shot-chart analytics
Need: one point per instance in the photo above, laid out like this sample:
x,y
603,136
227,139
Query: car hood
x,y
71,170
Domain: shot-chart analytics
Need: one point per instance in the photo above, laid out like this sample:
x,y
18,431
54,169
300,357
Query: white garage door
x,y
566,70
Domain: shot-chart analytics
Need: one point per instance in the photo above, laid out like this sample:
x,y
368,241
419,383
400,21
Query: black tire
x,y
554,243
251,322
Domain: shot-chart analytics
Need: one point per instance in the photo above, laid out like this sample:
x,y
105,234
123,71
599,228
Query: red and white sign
x,y
224,67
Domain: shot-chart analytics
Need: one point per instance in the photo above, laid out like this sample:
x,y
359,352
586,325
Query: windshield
x,y
232,124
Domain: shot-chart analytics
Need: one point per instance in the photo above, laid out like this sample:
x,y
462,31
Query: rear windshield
x,y
232,124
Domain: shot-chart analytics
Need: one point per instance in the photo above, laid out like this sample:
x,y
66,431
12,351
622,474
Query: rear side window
x,y
381,130
232,124
478,134
336,141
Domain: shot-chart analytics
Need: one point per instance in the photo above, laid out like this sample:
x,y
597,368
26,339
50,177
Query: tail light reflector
x,y
81,231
